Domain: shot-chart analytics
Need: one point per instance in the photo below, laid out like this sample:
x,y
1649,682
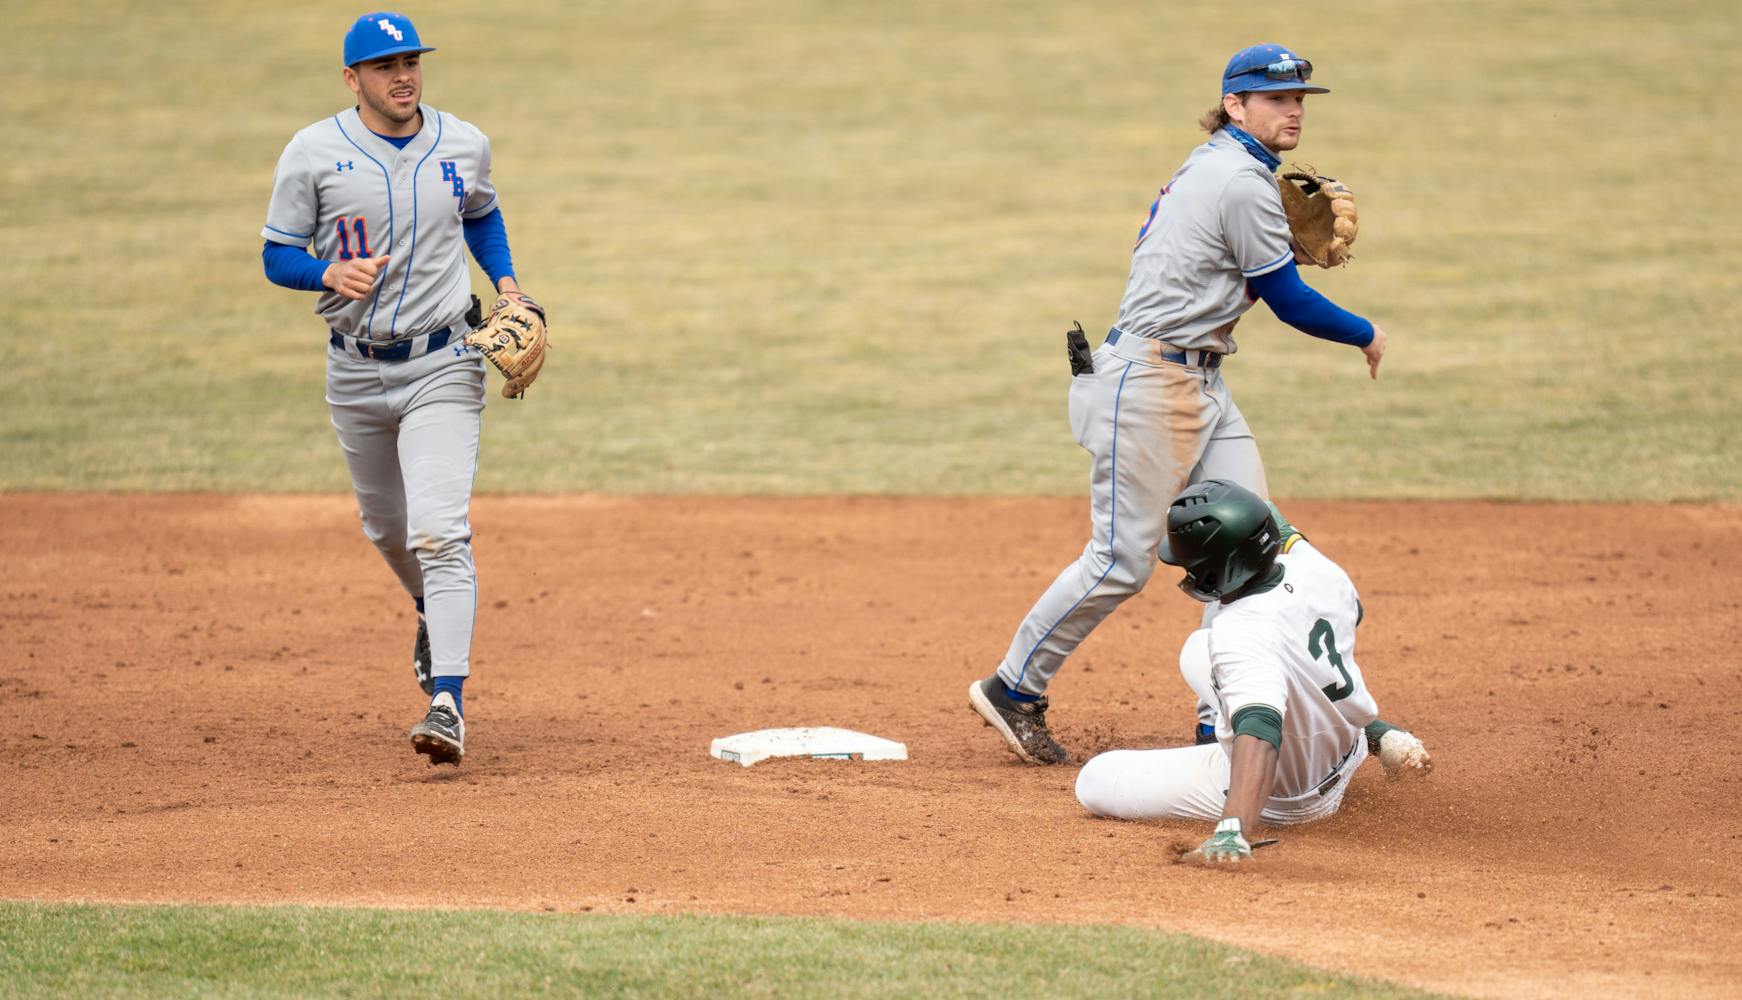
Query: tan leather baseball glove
x,y
1321,215
513,338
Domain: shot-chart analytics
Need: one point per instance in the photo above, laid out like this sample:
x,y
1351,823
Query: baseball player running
x,y
1150,405
386,193
1275,660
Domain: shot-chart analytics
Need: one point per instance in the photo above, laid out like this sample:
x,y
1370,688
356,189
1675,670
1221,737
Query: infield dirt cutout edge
x,y
208,696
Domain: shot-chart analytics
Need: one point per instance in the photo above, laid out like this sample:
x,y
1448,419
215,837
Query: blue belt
x,y
1203,359
399,350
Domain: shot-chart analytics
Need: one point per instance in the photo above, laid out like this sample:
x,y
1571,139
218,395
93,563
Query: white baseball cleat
x,y
1403,756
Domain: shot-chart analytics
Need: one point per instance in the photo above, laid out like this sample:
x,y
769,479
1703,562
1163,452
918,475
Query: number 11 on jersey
x,y
345,226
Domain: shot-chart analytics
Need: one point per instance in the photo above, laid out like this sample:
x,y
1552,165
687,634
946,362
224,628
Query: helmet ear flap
x,y
1251,560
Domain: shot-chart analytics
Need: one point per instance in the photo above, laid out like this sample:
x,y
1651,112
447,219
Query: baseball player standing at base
x,y
1275,660
1150,405
387,194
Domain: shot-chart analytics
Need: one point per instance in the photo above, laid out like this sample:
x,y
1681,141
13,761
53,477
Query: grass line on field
x,y
206,951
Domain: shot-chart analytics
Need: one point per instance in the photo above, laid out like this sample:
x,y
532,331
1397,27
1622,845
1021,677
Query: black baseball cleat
x,y
442,733
1205,735
1021,723
420,658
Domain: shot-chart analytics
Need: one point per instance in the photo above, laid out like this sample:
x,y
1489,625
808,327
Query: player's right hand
x,y
1375,350
355,278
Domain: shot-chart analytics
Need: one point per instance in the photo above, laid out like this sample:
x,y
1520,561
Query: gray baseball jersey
x,y
408,421
352,195
1155,414
1218,222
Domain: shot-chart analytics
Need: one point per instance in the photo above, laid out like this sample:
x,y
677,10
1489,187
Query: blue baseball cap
x,y
1268,67
379,35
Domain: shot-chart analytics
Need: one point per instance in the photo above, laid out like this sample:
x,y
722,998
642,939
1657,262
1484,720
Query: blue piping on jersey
x,y
1112,533
404,286
305,237
492,201
387,179
1286,254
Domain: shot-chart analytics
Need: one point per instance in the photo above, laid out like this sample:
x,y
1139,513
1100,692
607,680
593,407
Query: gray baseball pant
x,y
1153,427
409,430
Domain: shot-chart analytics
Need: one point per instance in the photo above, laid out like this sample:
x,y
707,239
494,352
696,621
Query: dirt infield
x,y
206,699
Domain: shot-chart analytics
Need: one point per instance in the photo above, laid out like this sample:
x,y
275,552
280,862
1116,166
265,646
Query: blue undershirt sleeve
x,y
487,238
292,267
1296,304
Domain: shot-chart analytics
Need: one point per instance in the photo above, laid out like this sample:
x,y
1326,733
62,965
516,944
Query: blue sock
x,y
452,686
419,602
1016,695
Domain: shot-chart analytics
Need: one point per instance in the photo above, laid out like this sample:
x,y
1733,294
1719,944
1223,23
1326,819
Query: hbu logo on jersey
x,y
387,26
451,174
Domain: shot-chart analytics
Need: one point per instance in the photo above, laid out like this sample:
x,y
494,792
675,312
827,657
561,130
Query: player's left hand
x,y
514,339
527,301
510,288
1226,846
1321,215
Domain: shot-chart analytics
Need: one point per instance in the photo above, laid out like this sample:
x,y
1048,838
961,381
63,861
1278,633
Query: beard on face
x,y
385,107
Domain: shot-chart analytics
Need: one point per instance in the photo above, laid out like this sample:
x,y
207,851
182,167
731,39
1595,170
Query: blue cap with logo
x,y
1268,67
382,34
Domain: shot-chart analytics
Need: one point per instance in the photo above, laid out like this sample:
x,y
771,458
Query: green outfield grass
x,y
186,951
819,246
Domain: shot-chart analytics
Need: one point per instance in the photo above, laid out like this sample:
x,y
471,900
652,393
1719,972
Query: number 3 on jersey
x,y
346,226
1323,633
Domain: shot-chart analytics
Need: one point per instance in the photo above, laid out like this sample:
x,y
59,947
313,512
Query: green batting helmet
x,y
1223,535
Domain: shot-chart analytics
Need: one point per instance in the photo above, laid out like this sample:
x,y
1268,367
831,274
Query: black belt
x,y
1326,786
399,350
1204,359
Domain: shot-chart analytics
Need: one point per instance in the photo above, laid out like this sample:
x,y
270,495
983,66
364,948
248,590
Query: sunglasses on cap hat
x,y
1282,69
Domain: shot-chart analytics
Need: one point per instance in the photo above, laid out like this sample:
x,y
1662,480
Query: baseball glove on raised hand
x,y
1321,215
513,338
